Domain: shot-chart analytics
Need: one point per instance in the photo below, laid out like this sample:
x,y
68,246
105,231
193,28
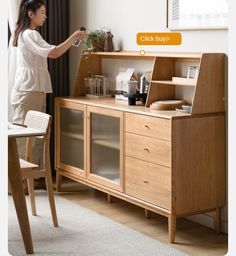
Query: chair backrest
x,y
37,120
41,121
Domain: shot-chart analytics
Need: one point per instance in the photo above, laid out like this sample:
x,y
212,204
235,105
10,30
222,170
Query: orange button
x,y
167,38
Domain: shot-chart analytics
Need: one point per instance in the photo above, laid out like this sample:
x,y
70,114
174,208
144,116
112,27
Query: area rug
x,y
82,232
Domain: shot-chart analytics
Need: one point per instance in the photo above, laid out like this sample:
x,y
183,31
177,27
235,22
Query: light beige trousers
x,y
21,103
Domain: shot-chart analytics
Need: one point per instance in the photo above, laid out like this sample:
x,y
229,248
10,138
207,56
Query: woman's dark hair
x,y
23,18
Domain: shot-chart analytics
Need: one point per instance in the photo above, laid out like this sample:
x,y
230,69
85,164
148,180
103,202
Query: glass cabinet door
x,y
105,144
71,140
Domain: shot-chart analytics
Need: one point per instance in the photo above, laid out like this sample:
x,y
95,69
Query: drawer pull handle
x,y
146,126
146,182
146,149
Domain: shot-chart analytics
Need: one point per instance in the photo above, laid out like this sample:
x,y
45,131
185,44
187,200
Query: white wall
x,y
126,18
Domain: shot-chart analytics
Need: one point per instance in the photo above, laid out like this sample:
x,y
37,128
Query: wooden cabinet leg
x,y
58,182
217,220
147,214
109,198
171,228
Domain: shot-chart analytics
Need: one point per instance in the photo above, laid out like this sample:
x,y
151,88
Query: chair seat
x,y
27,165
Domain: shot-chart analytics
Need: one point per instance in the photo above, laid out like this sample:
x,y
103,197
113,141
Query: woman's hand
x,y
63,47
79,35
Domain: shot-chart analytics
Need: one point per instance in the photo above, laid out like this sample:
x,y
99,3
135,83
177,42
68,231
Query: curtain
x,y
13,8
55,31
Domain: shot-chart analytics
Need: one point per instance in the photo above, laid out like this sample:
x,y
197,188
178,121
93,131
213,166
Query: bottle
x,y
108,45
142,84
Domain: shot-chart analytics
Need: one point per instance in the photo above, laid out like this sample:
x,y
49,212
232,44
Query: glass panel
x,y
105,146
72,138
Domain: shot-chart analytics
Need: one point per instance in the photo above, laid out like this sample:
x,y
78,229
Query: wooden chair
x,y
30,171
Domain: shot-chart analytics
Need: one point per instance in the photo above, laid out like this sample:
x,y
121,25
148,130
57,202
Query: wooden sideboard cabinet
x,y
169,162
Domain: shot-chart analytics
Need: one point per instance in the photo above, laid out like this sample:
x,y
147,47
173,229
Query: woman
x,y
32,79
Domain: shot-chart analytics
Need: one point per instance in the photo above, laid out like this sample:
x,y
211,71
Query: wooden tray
x,y
166,104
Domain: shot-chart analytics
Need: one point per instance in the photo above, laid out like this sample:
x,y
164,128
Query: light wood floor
x,y
191,237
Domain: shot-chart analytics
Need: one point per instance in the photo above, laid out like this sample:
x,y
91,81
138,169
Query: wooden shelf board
x,y
73,135
106,173
188,82
106,142
122,54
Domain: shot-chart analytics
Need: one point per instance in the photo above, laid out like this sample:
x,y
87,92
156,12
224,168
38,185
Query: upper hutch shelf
x,y
149,54
207,89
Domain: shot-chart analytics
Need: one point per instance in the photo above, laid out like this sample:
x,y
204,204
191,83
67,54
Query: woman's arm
x,y
63,47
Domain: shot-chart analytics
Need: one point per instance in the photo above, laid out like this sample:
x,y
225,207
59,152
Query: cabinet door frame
x,y
93,177
69,168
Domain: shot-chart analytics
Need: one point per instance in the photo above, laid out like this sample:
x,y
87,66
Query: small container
x,y
143,97
143,84
131,98
108,45
86,85
105,86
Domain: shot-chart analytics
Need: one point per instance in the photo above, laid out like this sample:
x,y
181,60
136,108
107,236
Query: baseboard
x,y
208,221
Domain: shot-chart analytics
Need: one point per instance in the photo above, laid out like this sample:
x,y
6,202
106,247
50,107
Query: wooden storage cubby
x,y
169,162
208,95
94,66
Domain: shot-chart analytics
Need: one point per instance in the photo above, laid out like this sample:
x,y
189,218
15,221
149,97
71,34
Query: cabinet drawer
x,y
148,126
148,182
148,149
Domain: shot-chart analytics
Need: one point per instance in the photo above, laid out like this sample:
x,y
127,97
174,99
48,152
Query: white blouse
x,y
32,68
